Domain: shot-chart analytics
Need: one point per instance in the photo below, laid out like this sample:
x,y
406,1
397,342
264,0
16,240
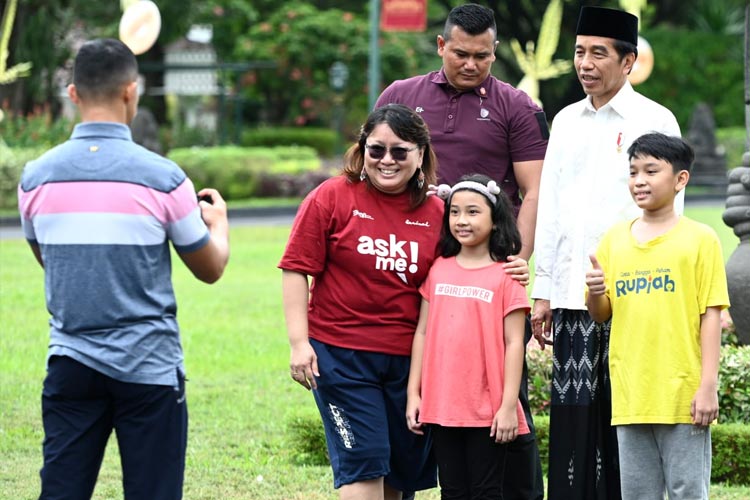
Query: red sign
x,y
403,15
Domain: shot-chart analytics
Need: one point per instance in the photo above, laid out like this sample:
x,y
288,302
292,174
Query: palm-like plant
x,y
9,75
536,62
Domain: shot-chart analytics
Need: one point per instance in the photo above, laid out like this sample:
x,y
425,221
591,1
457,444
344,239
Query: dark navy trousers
x,y
81,407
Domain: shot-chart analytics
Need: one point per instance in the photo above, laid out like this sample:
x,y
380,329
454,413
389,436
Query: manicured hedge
x,y
240,173
730,444
322,140
731,454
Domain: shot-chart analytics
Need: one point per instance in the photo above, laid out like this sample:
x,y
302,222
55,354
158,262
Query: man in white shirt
x,y
584,190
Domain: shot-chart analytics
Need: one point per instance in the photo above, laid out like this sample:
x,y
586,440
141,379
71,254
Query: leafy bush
x,y
240,173
12,161
728,329
541,426
734,384
539,363
323,140
731,461
732,139
36,130
306,439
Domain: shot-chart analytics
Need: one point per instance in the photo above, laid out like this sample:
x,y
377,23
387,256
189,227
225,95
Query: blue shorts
x,y
362,401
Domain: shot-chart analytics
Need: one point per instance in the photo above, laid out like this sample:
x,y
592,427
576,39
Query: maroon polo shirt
x,y
482,131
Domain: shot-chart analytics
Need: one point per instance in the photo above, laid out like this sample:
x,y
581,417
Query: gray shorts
x,y
659,458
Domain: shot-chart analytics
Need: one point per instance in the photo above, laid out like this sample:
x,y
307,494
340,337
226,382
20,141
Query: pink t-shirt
x,y
368,254
464,351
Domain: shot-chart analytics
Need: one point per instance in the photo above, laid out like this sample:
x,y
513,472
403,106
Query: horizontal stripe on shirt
x,y
110,229
108,197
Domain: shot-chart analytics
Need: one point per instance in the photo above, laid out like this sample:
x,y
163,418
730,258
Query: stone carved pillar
x,y
737,216
710,165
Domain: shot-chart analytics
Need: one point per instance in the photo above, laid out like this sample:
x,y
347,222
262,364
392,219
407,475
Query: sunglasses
x,y
377,152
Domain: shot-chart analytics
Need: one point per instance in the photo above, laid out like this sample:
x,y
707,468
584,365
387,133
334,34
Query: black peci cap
x,y
609,23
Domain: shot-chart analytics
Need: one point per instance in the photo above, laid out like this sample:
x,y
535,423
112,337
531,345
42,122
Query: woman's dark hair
x,y
505,239
408,126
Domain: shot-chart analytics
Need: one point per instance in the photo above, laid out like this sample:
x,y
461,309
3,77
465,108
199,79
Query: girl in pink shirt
x,y
467,353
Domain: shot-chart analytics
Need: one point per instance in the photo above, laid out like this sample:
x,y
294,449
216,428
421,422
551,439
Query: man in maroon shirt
x,y
479,124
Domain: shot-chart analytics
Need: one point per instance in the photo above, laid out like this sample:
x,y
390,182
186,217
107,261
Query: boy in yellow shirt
x,y
661,279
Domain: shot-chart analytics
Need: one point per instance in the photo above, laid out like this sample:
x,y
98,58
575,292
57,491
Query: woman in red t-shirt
x,y
367,238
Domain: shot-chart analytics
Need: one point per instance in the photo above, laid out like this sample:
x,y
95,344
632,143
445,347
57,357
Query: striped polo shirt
x,y
103,210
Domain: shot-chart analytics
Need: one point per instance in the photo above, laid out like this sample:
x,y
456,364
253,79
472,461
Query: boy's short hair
x,y
673,150
102,67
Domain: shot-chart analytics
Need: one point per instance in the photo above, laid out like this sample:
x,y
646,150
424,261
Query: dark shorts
x,y
81,407
362,401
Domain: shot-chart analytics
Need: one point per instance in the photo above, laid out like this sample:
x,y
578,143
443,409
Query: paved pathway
x,y
10,227
274,216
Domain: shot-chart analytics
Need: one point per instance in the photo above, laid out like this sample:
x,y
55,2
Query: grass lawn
x,y
241,398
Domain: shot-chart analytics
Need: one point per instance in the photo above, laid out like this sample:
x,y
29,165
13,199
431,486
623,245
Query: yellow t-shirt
x,y
658,291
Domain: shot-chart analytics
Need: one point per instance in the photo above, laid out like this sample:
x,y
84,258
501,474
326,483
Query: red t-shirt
x,y
368,254
464,352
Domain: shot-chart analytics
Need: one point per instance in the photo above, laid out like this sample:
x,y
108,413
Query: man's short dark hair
x,y
673,150
102,67
471,18
624,48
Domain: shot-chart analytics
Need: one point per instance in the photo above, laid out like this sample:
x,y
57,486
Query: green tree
x,y
305,37
305,42
48,31
721,18
230,20
691,67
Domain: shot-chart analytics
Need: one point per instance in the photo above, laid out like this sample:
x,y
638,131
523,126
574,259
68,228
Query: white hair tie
x,y
444,191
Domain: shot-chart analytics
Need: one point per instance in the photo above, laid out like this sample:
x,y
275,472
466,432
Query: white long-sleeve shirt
x,y
584,188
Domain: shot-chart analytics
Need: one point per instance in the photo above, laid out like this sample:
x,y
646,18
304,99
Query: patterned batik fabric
x,y
583,461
